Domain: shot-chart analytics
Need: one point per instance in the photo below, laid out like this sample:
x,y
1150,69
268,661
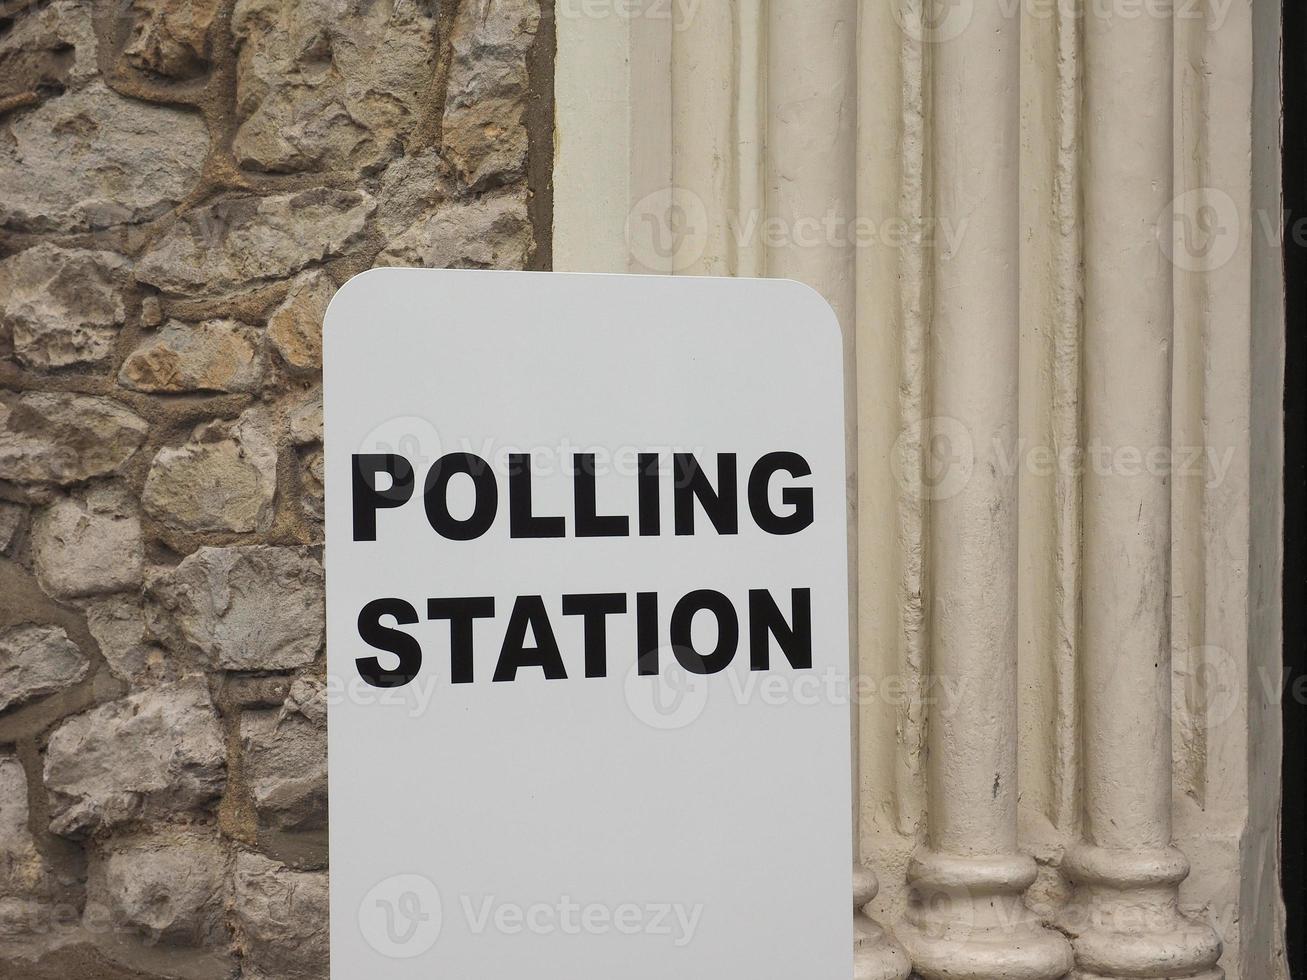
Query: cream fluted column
x,y
967,917
1125,921
612,145
811,146
703,75
811,192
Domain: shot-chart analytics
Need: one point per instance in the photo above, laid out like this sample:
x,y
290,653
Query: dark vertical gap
x,y
1294,841
540,138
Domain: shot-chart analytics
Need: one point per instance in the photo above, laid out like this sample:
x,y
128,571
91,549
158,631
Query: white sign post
x,y
587,629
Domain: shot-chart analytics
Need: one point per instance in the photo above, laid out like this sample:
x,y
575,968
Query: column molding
x,y
967,915
1124,919
666,166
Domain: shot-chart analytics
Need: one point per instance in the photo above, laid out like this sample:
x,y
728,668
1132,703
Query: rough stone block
x,y
161,888
93,159
27,879
284,753
169,38
411,187
281,919
51,49
313,475
239,240
118,625
224,479
247,608
36,661
493,232
155,755
295,327
12,518
305,419
62,307
220,355
485,102
88,544
329,86
57,437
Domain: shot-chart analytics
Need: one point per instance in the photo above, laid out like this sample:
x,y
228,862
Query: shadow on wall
x,y
1293,842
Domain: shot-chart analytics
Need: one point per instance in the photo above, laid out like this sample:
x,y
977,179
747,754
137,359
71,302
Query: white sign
x,y
587,629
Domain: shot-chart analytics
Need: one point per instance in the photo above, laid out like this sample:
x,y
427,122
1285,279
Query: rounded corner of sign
x,y
816,308
810,295
340,300
353,284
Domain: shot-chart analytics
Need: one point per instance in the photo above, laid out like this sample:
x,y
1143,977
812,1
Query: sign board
x,y
587,629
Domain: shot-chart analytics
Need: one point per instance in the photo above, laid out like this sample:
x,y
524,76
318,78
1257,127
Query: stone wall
x,y
183,185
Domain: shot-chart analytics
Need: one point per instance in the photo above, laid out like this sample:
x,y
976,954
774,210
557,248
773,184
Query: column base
x,y
876,956
1125,921
968,921
1027,952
